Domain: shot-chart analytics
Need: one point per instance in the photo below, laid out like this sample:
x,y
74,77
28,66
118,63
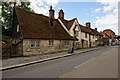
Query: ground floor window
x,y
35,43
66,42
51,42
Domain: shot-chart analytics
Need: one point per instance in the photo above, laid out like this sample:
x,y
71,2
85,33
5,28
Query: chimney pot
x,y
96,29
88,24
51,13
61,14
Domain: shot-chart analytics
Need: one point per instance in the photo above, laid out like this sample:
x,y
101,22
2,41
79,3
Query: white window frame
x,y
66,42
32,44
18,28
51,42
35,44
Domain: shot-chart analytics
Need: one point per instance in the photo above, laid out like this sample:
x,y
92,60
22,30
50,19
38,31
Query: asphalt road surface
x,y
53,68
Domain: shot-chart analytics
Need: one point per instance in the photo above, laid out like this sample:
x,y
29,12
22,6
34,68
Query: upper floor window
x,y
51,42
85,35
17,28
76,33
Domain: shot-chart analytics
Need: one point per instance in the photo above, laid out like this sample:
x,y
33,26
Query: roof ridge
x,y
31,12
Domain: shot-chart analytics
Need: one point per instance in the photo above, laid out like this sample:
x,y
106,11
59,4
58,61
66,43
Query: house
x,y
98,37
108,36
38,34
87,36
72,27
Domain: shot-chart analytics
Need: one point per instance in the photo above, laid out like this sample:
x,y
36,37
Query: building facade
x,y
38,34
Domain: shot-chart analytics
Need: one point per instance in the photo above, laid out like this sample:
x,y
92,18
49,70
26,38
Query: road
x,y
54,68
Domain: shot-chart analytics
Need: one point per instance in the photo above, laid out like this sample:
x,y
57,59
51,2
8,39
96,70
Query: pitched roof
x,y
96,32
68,23
86,30
38,26
105,35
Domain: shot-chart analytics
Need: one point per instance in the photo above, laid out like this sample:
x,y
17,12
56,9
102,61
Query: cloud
x,y
107,8
110,18
98,9
42,6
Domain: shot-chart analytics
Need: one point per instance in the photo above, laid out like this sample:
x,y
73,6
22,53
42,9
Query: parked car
x,y
113,43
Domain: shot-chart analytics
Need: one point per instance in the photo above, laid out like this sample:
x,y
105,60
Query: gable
x,y
75,25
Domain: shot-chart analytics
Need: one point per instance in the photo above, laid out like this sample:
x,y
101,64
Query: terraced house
x,y
71,26
87,37
38,34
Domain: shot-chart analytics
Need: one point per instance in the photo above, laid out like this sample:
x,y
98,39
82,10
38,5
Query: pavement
x,y
24,61
103,66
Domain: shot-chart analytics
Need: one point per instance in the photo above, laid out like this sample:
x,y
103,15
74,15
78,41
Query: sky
x,y
102,14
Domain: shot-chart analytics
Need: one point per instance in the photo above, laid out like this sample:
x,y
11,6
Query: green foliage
x,y
117,37
7,15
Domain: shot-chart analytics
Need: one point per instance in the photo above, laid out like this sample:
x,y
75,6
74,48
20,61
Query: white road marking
x,y
90,60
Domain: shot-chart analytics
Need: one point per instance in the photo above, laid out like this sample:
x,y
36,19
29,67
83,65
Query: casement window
x,y
51,42
77,43
76,33
35,43
32,43
66,42
85,35
18,28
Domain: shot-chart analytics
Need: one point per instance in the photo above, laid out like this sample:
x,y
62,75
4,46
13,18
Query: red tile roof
x,y
96,32
105,35
38,26
86,30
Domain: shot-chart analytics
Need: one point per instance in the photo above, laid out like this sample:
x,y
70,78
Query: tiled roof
x,y
68,23
105,35
86,30
96,32
37,26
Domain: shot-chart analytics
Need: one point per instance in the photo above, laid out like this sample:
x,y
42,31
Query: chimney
x,y
61,14
51,13
96,29
88,24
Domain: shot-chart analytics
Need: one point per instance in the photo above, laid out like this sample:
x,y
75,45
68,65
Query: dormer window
x,y
17,28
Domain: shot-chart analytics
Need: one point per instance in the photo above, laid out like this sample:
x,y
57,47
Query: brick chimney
x,y
51,13
96,29
88,24
61,14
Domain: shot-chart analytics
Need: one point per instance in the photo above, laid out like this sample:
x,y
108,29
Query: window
x,y
17,28
37,43
66,43
76,33
32,43
77,43
85,35
51,42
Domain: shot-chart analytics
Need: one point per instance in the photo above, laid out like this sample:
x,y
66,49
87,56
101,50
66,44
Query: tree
x,y
7,15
